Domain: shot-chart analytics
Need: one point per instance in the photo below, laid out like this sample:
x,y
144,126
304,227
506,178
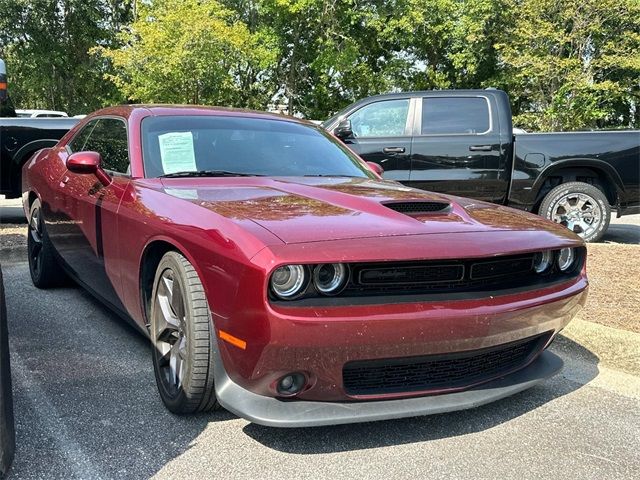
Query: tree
x,y
570,64
192,52
46,46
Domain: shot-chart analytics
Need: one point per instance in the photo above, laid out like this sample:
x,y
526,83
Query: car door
x,y
382,134
456,147
93,250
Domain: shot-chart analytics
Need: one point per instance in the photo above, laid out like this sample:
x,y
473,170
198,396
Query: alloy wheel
x,y
35,241
169,332
579,212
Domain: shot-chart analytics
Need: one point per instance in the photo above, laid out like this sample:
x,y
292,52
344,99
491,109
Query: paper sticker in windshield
x,y
176,152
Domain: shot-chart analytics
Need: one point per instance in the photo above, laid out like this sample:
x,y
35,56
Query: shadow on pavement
x,y
86,401
343,438
623,233
11,212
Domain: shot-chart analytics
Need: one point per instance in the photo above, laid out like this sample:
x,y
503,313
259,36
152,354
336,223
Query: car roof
x,y
168,110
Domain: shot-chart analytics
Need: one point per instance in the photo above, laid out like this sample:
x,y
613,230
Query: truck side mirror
x,y
343,130
88,163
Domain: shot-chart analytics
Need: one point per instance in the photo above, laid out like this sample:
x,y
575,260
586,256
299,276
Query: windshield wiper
x,y
209,173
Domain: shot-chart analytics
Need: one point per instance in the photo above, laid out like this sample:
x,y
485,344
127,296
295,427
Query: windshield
x,y
225,145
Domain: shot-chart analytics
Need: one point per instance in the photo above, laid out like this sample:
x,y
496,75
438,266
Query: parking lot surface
x,y
86,406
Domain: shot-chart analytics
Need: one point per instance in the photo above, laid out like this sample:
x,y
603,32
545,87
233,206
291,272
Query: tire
x,y
182,337
580,207
44,268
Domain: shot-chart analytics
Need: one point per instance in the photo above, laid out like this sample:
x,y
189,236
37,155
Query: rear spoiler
x,y
3,81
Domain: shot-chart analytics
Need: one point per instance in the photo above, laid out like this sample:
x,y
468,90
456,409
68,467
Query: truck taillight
x,y
3,81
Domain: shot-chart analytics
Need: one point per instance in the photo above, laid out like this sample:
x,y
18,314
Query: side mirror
x,y
343,130
88,163
377,168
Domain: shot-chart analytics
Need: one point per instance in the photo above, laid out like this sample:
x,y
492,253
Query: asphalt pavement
x,y
86,406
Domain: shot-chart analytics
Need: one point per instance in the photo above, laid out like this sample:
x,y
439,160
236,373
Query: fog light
x,y
291,384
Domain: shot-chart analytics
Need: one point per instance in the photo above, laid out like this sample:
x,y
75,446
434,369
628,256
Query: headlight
x,y
542,261
566,257
288,281
329,278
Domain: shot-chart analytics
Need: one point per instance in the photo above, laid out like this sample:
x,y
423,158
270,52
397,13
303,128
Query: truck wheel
x,y
580,207
43,266
182,336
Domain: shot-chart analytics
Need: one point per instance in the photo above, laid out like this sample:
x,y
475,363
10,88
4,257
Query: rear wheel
x,y
43,266
182,337
580,207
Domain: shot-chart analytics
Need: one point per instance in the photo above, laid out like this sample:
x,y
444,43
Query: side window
x,y
77,144
455,115
381,119
109,139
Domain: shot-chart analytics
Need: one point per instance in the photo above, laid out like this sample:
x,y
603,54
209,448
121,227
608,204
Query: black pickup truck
x,y
462,142
20,138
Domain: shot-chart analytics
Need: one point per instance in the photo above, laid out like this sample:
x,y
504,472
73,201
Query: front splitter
x,y
274,412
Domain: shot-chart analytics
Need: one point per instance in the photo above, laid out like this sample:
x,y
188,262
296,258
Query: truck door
x,y
456,147
382,134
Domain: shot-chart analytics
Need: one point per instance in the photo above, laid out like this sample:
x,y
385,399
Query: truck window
x,y
381,119
455,115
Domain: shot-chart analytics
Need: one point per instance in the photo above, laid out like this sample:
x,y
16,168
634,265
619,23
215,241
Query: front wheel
x,y
182,336
43,266
580,207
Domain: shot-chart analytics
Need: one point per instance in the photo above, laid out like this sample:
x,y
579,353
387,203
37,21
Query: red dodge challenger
x,y
279,276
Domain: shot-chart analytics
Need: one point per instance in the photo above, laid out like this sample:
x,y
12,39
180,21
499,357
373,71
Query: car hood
x,y
303,210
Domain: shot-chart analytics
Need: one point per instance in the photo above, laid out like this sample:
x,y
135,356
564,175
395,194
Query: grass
x,y
614,293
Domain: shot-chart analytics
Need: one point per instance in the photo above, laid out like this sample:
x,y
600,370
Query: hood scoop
x,y
418,208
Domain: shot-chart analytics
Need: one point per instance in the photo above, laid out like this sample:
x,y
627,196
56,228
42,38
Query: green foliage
x,y
566,64
192,51
572,64
46,46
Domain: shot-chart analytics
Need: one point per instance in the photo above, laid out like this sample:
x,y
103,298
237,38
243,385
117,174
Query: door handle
x,y
393,149
480,148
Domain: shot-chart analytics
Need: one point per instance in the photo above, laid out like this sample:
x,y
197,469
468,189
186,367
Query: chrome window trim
x,y
408,122
418,113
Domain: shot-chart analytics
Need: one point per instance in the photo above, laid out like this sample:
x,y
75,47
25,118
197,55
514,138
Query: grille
x,y
500,268
457,275
416,208
411,275
455,370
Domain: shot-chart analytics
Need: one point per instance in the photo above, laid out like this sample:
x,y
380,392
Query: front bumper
x,y
320,342
274,412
